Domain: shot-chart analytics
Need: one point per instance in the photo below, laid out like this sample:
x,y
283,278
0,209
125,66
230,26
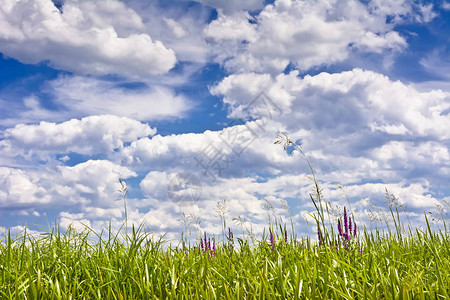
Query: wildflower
x,y
345,221
205,245
349,230
319,235
272,240
285,236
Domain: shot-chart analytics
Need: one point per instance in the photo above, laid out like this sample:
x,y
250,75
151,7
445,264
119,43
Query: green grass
x,y
375,264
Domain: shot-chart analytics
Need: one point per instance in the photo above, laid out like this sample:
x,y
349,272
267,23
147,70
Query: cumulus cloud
x,y
83,37
92,183
305,33
344,103
356,125
18,189
90,135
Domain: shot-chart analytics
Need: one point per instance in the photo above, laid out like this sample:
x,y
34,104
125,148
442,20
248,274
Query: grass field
x,y
370,266
346,263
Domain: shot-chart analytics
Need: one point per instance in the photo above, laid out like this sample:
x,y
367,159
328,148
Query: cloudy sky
x,y
183,102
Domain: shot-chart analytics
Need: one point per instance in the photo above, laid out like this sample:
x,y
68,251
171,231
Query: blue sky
x,y
187,99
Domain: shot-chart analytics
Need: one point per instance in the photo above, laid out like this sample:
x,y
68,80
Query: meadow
x,y
345,262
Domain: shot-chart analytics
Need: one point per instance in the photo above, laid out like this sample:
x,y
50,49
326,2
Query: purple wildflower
x,y
345,221
285,236
205,245
354,231
319,234
272,240
340,228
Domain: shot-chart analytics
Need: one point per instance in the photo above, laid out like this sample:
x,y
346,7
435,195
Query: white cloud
x,y
437,63
92,183
77,97
74,221
231,28
427,13
344,102
88,96
90,135
306,33
20,189
98,38
179,27
446,5
407,158
230,6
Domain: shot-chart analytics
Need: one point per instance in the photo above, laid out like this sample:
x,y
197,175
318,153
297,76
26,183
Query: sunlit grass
x,y
70,265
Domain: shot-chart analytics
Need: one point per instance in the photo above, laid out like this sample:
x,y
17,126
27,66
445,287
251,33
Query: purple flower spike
x,y
319,234
214,247
354,231
345,220
340,228
285,236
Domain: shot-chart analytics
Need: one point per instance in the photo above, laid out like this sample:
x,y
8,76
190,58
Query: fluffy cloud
x,y
91,182
343,103
178,26
305,33
90,135
94,183
356,125
19,189
83,37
